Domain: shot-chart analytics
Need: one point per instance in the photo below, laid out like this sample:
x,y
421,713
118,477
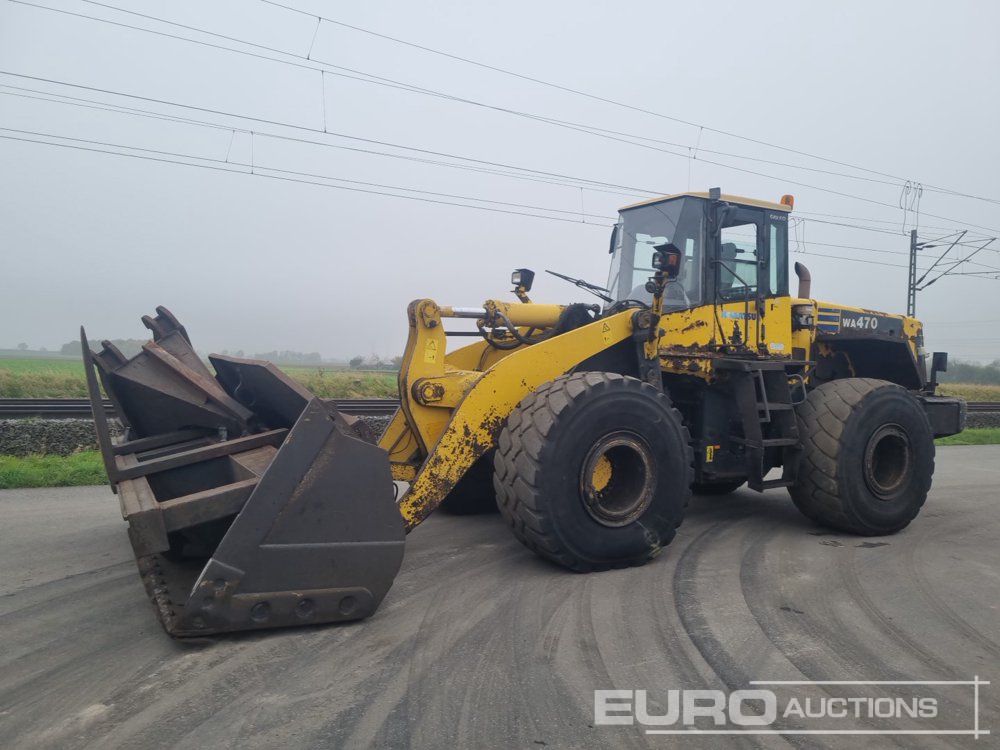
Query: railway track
x,y
984,405
79,408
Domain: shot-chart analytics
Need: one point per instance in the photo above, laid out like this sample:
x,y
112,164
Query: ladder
x,y
764,398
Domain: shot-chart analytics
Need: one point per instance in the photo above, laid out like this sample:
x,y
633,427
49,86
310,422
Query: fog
x,y
253,262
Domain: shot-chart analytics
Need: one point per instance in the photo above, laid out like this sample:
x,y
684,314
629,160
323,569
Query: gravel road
x,y
480,644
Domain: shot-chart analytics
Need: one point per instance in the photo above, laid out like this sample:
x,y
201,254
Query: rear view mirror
x,y
939,363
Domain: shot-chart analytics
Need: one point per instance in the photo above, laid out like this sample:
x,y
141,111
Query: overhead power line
x,y
306,178
870,220
408,87
365,77
893,180
896,179
475,165
981,274
809,243
76,101
260,170
379,80
132,111
288,175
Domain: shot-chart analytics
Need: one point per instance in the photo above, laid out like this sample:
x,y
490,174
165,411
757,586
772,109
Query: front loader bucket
x,y
250,502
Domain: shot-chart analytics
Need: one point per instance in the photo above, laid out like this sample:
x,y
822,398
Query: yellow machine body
x,y
253,504
453,404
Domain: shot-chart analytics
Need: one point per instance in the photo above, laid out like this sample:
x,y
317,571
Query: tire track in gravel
x,y
843,656
927,589
895,638
481,644
699,627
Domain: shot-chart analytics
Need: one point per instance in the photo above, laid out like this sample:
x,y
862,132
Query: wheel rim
x,y
617,479
888,459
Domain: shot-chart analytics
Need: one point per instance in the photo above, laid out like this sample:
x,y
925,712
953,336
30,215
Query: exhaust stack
x,y
805,280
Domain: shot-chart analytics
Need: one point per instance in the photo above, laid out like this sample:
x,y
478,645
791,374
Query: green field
x,y
86,468
64,378
973,436
60,378
52,471
29,364
345,383
42,378
971,392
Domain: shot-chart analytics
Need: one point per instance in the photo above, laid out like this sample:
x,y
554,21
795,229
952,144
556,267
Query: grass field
x,y
42,378
345,384
973,436
971,392
55,378
52,471
61,378
28,365
86,468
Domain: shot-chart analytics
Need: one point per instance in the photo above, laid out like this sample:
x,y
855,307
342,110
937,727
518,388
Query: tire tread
x,y
822,420
517,466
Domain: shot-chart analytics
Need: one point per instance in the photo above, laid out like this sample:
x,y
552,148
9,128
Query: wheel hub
x,y
888,461
617,479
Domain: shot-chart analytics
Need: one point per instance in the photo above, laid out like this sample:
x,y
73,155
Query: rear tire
x,y
867,456
593,471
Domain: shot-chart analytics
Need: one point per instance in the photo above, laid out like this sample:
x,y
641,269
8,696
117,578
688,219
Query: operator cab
x,y
732,248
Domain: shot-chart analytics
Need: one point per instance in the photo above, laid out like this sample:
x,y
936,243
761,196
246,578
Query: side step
x,y
764,398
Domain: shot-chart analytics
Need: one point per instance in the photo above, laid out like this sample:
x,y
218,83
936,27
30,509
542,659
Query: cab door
x,y
751,279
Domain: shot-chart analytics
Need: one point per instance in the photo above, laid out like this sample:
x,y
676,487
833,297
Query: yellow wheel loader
x,y
253,504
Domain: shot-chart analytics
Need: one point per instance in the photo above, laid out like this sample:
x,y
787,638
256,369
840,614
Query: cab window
x,y
642,228
777,234
739,253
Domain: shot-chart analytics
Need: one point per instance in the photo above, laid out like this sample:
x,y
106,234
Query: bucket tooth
x,y
171,336
166,387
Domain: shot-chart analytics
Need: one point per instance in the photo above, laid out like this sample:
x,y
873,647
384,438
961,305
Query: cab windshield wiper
x,y
600,291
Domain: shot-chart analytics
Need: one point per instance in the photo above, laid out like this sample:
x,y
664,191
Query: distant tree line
x,y
131,347
128,347
374,362
967,372
287,357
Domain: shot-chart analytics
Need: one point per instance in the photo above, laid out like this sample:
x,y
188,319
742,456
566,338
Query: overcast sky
x,y
256,263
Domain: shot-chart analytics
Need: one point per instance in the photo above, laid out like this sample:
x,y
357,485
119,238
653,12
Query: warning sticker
x,y
606,333
431,352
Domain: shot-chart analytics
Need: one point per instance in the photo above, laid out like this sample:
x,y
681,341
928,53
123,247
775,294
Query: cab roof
x,y
738,199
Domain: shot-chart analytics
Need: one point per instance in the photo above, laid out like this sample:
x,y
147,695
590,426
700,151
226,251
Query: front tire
x,y
593,471
867,459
